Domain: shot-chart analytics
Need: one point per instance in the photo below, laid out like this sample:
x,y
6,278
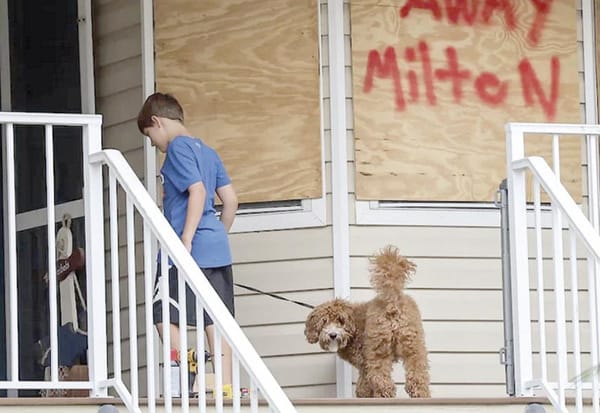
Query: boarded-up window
x,y
247,75
436,81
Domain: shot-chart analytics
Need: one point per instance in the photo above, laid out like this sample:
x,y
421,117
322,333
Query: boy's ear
x,y
155,120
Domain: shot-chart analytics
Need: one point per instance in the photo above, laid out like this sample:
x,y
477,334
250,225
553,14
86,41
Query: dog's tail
x,y
390,271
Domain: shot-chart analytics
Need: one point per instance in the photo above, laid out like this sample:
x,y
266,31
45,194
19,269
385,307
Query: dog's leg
x,y
362,386
417,374
411,349
379,376
378,353
381,384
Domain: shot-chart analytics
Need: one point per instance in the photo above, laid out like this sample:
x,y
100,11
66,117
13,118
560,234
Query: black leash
x,y
274,295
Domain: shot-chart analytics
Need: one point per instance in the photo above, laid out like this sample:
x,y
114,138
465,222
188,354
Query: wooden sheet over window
x,y
434,87
247,74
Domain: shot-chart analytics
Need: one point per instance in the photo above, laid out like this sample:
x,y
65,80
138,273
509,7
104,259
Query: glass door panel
x,y
43,40
34,308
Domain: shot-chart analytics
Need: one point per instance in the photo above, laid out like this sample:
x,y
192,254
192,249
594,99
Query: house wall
x,y
458,284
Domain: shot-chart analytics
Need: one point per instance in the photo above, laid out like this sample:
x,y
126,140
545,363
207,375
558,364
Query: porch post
x,y
94,236
519,266
147,18
339,173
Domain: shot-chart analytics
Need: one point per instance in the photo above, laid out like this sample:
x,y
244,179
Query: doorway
x,y
44,76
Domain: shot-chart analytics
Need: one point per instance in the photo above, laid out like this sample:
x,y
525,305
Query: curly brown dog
x,y
373,335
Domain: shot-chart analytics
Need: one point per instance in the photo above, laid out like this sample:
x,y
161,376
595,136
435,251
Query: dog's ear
x,y
312,328
347,319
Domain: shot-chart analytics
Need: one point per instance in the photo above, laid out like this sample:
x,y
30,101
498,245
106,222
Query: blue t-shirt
x,y
189,161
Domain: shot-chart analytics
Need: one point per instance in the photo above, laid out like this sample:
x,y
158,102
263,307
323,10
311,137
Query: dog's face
x,y
331,325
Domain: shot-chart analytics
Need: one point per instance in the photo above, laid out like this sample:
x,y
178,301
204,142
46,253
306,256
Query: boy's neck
x,y
175,128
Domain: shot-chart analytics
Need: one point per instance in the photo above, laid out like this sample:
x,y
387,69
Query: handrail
x,y
62,119
559,194
167,237
570,230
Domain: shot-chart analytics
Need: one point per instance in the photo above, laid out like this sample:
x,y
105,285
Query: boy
x,y
191,174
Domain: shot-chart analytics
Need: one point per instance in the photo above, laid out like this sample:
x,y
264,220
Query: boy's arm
x,y
230,204
195,209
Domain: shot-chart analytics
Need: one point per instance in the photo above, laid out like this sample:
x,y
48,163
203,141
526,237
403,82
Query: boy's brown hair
x,y
159,104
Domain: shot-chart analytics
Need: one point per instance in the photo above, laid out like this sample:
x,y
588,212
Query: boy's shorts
x,y
220,278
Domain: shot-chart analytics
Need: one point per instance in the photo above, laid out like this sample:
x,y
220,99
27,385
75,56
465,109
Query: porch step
x,y
434,405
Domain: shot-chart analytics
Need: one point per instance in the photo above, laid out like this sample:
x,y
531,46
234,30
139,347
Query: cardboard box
x,y
73,373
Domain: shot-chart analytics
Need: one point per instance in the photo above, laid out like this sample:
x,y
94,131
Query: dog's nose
x,y
333,336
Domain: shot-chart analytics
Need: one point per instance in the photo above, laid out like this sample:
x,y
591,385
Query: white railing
x,y
555,294
129,375
91,129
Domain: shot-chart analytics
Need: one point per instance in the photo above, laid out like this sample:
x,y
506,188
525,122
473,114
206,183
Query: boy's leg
x,y
174,330
174,309
225,351
222,281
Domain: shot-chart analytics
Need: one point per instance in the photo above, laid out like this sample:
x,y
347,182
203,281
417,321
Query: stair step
x,y
433,405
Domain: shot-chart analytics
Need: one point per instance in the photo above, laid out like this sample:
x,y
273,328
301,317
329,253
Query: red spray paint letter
x,y
431,5
427,73
456,8
542,10
531,85
413,86
453,73
386,69
490,89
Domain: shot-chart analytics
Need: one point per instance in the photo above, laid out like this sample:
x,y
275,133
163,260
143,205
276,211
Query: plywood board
x,y
433,89
247,75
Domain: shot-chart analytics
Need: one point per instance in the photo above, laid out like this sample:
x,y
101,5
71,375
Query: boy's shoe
x,y
227,392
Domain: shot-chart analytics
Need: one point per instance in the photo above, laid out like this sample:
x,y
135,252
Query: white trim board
x,y
444,215
310,214
86,56
439,215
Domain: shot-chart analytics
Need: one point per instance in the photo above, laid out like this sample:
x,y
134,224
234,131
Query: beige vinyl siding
x,y
584,162
118,76
118,81
295,264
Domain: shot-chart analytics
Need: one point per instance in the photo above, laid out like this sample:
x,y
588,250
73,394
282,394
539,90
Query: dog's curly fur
x,y
373,335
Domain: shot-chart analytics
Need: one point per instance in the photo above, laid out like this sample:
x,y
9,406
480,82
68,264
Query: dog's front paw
x,y
417,390
383,387
386,392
